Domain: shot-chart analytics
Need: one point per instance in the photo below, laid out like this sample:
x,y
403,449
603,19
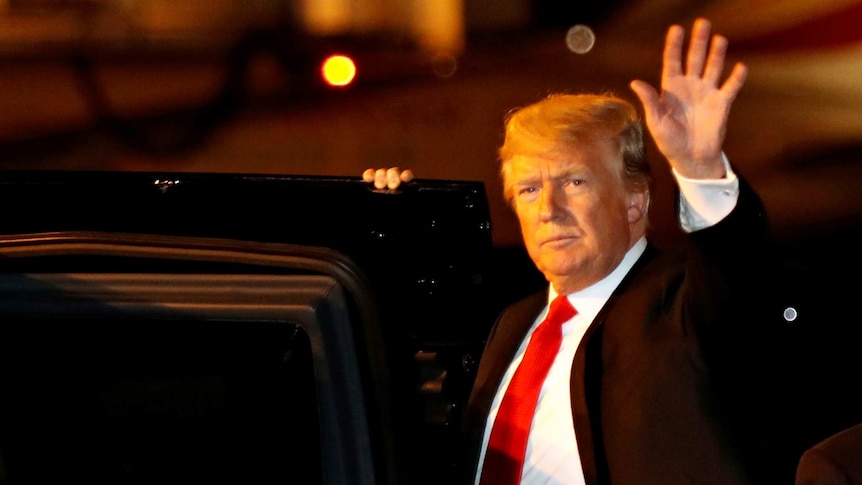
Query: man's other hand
x,y
387,178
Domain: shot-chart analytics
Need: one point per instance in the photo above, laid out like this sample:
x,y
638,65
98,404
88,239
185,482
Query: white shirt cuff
x,y
704,202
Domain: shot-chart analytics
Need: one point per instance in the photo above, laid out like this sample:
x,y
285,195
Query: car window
x,y
144,401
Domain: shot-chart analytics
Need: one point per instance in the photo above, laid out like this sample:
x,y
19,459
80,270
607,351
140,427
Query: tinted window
x,y
143,401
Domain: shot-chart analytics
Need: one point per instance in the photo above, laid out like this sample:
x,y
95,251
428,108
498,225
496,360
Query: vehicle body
x,y
236,328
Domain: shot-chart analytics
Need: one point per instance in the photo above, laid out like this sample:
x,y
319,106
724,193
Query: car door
x,y
134,358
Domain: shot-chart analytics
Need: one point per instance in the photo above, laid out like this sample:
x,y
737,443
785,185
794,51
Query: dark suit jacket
x,y
837,460
662,388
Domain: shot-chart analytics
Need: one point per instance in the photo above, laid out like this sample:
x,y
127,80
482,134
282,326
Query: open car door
x,y
145,359
253,329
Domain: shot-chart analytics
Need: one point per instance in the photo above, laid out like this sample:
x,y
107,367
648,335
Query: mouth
x,y
559,241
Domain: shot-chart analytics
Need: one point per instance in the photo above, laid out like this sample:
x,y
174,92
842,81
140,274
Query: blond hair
x,y
562,121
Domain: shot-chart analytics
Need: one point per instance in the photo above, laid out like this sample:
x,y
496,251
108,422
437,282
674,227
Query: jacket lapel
x,y
586,381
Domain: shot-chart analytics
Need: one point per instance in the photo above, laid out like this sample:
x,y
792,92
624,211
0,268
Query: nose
x,y
550,205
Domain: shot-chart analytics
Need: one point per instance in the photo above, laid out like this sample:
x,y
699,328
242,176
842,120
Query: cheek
x,y
612,225
528,229
603,217
529,225
524,215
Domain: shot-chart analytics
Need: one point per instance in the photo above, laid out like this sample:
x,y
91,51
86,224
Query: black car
x,y
236,328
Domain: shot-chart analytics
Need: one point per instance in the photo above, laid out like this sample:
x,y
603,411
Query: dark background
x,y
234,86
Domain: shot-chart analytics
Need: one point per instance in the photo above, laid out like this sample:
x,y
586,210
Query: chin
x,y
560,266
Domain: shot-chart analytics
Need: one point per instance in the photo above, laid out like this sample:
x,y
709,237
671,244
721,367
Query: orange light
x,y
338,70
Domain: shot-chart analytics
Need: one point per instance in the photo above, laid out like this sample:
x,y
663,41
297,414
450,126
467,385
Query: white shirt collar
x,y
590,300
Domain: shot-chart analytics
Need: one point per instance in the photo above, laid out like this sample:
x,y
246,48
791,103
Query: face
x,y
577,218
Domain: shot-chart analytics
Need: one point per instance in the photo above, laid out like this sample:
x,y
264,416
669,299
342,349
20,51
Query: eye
x,y
527,192
573,182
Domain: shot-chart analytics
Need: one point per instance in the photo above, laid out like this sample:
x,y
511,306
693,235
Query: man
x,y
646,371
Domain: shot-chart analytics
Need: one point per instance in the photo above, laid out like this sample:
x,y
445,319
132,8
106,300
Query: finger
x,y
735,81
715,60
368,175
672,55
697,47
648,96
380,178
407,175
393,178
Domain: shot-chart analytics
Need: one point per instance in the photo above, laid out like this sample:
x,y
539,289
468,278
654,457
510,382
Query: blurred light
x,y
338,70
444,65
580,39
438,25
325,16
435,25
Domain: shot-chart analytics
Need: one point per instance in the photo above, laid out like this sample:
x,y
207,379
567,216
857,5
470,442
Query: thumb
x,y
648,96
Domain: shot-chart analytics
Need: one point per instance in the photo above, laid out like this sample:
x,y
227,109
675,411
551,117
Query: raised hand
x,y
688,119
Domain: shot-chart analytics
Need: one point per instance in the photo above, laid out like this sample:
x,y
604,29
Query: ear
x,y
638,206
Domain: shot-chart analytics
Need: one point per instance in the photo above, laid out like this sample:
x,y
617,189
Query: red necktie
x,y
504,459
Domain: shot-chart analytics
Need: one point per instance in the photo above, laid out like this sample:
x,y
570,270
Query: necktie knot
x,y
561,310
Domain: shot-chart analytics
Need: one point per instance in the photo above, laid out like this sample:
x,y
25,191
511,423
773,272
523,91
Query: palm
x,y
690,120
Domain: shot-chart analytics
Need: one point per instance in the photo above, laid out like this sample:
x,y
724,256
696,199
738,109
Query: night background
x,y
235,86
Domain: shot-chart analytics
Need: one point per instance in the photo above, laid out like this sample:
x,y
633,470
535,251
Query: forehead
x,y
592,156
